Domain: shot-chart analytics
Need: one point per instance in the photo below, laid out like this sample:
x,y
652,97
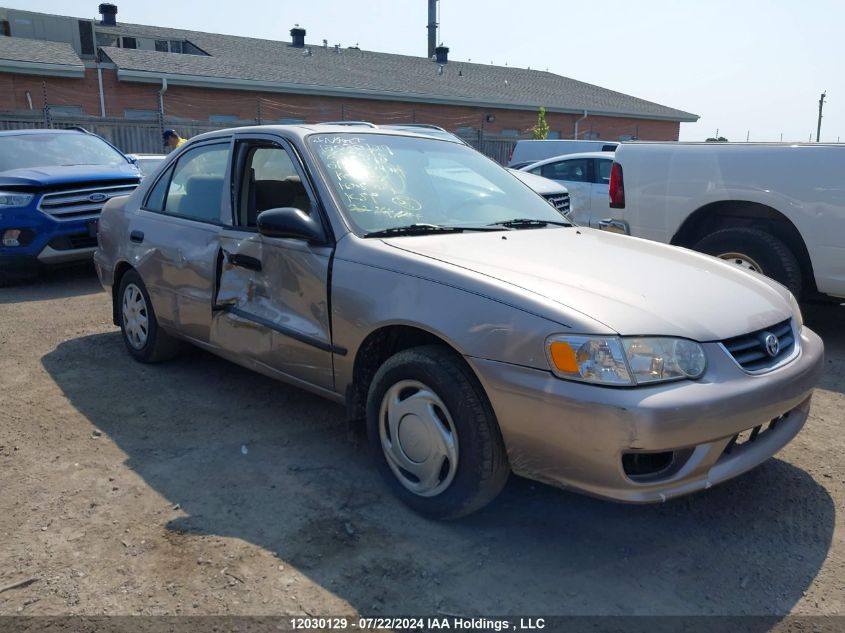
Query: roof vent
x,y
109,14
441,54
297,37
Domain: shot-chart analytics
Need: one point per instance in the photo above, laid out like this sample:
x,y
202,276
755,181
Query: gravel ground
x,y
197,487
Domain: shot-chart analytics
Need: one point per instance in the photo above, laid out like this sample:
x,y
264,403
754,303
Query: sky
x,y
751,69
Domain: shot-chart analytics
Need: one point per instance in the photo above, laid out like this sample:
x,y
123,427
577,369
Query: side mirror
x,y
291,223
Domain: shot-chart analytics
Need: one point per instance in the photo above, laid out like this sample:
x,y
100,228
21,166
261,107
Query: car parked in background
x,y
472,329
53,184
772,208
530,151
587,178
555,193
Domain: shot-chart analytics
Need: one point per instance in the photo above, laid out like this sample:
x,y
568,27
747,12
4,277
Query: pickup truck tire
x,y
144,339
433,433
766,253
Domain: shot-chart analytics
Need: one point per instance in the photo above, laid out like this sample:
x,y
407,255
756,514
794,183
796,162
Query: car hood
x,y
632,286
36,177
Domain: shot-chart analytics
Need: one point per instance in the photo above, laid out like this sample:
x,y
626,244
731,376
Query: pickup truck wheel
x,y
756,250
138,324
434,435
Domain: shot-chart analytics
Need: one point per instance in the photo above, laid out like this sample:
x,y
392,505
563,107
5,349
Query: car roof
x,y
555,159
302,130
38,131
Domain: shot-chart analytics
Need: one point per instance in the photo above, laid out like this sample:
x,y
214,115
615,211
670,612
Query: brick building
x,y
62,67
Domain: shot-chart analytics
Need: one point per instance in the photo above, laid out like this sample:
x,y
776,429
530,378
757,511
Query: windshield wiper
x,y
426,229
525,223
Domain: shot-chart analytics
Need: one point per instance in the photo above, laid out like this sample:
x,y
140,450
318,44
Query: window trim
x,y
171,169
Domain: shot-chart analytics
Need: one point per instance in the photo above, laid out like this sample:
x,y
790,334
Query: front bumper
x,y
49,241
574,435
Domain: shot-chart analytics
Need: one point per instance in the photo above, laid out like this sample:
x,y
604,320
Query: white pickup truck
x,y
778,209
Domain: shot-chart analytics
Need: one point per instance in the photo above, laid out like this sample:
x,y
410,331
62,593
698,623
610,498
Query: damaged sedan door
x,y
271,307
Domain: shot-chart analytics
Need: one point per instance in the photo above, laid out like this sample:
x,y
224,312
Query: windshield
x,y
387,181
52,149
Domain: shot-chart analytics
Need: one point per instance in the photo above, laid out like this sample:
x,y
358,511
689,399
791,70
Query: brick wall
x,y
200,103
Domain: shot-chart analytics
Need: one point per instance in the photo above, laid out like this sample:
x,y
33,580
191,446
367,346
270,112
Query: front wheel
x,y
755,250
138,324
434,434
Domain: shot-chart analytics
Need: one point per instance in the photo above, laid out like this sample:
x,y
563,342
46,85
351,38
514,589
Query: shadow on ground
x,y
303,490
71,280
828,321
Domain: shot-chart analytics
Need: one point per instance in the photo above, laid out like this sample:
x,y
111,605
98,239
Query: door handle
x,y
136,236
244,261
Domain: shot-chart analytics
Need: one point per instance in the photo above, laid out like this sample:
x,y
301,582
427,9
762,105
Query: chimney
x,y
441,54
109,14
297,37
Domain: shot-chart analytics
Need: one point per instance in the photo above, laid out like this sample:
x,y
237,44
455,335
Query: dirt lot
x,y
197,487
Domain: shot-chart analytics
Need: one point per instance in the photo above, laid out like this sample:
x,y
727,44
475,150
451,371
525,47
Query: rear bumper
x,y
574,435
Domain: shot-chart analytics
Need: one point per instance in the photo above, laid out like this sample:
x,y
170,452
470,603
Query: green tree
x,y
712,139
540,131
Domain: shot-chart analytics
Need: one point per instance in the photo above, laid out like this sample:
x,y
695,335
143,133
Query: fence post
x,y
48,122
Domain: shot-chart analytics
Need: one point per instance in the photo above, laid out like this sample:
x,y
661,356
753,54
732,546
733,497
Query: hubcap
x,y
136,320
418,438
742,260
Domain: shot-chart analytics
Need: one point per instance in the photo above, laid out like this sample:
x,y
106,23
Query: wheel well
x,y
734,214
119,271
374,350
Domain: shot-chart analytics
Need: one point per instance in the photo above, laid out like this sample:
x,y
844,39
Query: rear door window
x,y
195,190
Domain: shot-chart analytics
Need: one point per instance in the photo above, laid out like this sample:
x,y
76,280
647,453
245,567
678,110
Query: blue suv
x,y
53,185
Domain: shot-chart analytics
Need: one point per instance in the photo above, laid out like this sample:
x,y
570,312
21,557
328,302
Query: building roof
x,y
18,54
268,62
255,64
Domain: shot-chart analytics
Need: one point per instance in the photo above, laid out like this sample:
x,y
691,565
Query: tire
x,y
456,428
144,339
757,250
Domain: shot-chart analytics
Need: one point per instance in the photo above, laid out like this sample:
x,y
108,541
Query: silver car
x,y
460,318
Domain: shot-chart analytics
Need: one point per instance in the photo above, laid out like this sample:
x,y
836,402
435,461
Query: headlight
x,y
624,361
11,199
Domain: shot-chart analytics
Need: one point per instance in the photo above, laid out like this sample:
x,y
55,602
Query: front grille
x,y
76,203
559,201
752,353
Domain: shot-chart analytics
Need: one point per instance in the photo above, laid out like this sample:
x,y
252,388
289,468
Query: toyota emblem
x,y
97,197
772,344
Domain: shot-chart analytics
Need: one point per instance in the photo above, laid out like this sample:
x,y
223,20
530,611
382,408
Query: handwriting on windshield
x,y
368,177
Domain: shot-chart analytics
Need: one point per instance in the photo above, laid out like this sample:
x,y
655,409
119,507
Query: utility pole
x,y
821,105
432,27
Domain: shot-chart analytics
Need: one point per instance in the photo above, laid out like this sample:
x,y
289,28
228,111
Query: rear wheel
x,y
138,324
433,433
755,250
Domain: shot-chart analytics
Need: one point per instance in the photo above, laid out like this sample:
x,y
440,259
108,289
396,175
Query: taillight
x,y
617,187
